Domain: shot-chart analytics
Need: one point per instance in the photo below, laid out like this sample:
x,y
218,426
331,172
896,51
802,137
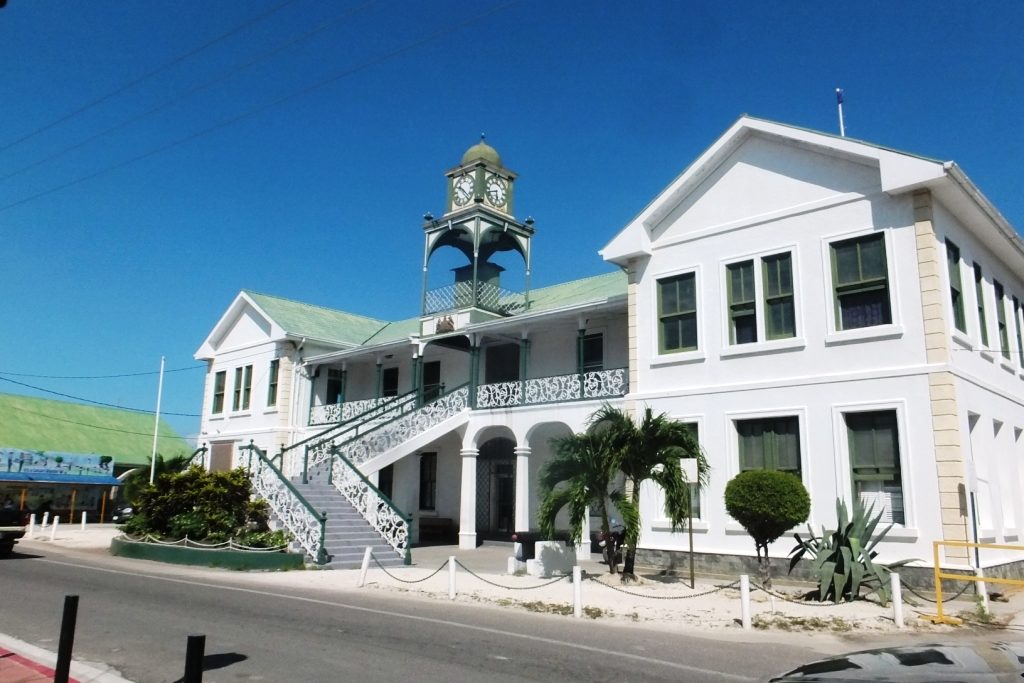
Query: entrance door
x,y
501,363
431,380
220,456
496,490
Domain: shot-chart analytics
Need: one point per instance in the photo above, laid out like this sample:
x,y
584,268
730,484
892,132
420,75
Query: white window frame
x,y
763,344
696,355
659,522
844,474
963,337
833,335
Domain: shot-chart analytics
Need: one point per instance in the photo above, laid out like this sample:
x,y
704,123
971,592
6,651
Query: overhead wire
x,y
125,374
219,78
87,424
345,73
98,403
146,76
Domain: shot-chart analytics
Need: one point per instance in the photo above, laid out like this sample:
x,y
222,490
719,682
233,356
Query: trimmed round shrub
x,y
767,503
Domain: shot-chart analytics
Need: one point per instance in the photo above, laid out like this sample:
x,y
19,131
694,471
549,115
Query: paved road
x,y
135,617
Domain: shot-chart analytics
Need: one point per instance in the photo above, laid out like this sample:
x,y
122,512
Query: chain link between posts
x,y
967,584
401,580
511,588
805,603
716,589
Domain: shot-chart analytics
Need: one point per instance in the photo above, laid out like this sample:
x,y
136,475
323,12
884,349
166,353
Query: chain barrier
x,y
511,588
963,590
396,578
716,589
187,542
784,598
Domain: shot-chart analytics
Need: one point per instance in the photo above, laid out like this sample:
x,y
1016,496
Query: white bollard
x,y
897,599
46,518
745,601
366,565
451,577
982,588
32,525
577,592
53,527
84,513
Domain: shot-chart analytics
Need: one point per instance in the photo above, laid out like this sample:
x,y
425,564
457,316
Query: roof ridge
x,y
251,292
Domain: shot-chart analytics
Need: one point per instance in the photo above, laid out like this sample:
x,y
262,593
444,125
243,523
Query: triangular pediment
x,y
243,324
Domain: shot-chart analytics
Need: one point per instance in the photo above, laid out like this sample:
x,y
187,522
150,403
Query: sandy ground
x,y
664,603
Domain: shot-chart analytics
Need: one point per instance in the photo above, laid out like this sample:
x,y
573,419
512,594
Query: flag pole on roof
x,y
839,103
156,426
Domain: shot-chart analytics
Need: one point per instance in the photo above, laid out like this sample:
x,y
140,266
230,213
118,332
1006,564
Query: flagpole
x,y
156,426
839,103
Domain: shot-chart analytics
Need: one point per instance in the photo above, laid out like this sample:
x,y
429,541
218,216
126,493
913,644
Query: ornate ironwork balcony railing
x,y
555,389
376,508
343,412
398,431
460,295
294,512
198,458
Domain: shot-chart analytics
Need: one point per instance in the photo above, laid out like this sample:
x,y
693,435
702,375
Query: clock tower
x,y
478,222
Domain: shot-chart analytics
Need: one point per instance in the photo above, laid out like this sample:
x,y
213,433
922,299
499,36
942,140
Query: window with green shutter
x,y
979,295
219,382
742,303
275,369
769,444
1004,333
860,283
694,430
956,290
1016,325
677,313
779,312
875,462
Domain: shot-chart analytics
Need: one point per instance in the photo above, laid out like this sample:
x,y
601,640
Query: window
x,y
1004,336
219,380
979,294
769,444
501,363
742,303
386,480
431,380
592,353
275,368
694,429
779,312
677,313
428,481
243,388
1016,325
875,462
335,386
389,383
956,290
860,283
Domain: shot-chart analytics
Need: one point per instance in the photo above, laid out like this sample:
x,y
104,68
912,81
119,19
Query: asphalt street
x,y
136,616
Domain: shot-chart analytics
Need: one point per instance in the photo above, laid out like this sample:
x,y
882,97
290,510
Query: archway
x,y
496,489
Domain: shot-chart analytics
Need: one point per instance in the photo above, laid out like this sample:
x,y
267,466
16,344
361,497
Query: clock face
x,y
463,189
497,191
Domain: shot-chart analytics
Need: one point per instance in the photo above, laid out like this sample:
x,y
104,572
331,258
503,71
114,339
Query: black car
x,y
122,513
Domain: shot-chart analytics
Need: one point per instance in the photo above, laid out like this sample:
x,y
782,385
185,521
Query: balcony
x,y
460,295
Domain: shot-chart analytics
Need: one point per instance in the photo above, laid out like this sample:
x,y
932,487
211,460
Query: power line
x,y
261,108
146,76
223,76
98,403
127,374
92,426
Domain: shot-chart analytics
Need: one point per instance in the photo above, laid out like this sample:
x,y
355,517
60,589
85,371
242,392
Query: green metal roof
x,y
316,322
39,424
400,329
588,289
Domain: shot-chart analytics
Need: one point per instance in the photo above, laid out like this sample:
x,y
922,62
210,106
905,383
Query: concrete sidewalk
x,y
22,662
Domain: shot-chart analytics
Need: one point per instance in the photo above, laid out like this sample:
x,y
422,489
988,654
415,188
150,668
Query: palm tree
x,y
578,477
650,450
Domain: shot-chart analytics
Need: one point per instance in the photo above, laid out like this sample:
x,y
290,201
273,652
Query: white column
x,y
522,488
467,512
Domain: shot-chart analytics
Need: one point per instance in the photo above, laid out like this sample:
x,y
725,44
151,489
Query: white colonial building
x,y
814,304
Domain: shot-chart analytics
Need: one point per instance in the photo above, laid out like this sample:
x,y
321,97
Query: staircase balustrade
x,y
198,458
392,524
554,389
306,526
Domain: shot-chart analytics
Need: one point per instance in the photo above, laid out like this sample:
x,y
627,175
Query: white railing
x,y
460,295
392,525
555,389
341,412
305,526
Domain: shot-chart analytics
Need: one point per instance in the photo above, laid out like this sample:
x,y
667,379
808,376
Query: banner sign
x,y
16,461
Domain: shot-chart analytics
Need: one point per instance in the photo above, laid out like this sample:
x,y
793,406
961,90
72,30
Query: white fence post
x,y
745,601
46,518
53,528
982,588
897,599
84,513
366,565
577,592
451,577
32,525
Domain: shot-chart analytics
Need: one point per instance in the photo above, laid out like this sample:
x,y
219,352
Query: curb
x,y
44,661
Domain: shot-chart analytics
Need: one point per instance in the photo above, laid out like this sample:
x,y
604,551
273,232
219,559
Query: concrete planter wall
x,y
202,557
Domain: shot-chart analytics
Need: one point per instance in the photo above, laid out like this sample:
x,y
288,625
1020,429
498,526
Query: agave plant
x,y
843,561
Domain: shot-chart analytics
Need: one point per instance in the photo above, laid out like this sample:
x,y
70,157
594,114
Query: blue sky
x,y
297,155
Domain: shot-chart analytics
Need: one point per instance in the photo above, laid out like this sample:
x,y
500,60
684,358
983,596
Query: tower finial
x,y
482,137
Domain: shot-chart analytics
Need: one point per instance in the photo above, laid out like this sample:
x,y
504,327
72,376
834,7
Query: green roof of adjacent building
x,y
39,424
316,322
584,290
